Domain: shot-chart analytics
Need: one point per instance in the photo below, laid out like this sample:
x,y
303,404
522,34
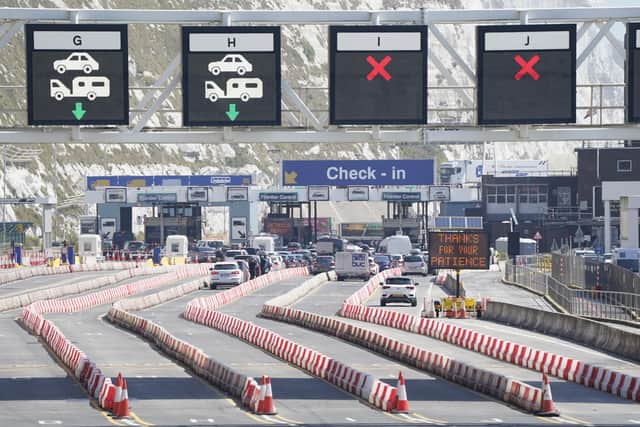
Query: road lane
x,y
574,400
161,392
298,396
429,396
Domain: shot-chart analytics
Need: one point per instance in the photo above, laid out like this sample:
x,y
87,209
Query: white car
x,y
398,289
414,264
231,63
277,263
232,253
225,273
76,61
373,267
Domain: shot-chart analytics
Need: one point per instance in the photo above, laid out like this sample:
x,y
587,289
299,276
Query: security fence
x,y
593,274
593,303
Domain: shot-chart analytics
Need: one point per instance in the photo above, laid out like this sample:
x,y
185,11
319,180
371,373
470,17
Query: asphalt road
x,y
430,397
577,404
35,390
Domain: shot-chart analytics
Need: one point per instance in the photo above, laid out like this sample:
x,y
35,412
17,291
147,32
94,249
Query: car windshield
x,y
233,253
324,259
396,257
381,259
398,281
413,258
225,267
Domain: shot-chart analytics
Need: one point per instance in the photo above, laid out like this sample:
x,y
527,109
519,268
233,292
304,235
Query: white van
x,y
395,245
177,246
352,264
264,243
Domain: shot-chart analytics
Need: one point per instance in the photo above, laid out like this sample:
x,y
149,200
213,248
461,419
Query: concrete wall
x,y
583,331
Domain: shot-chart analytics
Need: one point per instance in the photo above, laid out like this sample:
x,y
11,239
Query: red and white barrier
x,y
77,362
202,310
566,368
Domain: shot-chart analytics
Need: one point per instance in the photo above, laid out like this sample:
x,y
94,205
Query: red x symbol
x,y
527,67
378,68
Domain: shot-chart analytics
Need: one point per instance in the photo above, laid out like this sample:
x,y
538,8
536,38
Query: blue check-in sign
x,y
357,172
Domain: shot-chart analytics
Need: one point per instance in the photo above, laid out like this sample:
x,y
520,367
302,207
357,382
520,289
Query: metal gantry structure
x,y
302,123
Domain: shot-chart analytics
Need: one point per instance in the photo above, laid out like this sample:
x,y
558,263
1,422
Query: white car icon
x,y
230,64
76,61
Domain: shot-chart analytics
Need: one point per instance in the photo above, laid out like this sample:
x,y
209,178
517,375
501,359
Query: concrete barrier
x,y
238,385
498,386
27,272
77,362
584,331
26,298
358,383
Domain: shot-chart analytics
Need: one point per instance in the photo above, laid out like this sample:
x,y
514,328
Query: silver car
x,y
414,264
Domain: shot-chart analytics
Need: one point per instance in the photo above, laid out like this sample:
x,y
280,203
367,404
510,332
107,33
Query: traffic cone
x,y
402,404
117,398
123,409
266,405
548,408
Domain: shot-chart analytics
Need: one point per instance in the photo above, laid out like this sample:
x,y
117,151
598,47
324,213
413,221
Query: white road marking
x,y
492,420
93,333
207,420
634,421
129,422
414,420
273,420
49,422
350,420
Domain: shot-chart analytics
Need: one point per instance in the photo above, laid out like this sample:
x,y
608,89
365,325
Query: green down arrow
x,y
232,113
78,112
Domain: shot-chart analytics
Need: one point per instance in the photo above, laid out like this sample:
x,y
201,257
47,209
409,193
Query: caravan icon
x,y
81,87
243,89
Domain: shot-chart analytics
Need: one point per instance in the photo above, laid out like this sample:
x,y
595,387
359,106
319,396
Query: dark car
x,y
383,261
323,264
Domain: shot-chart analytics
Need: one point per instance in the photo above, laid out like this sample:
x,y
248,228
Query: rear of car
x,y
323,264
398,289
225,274
414,264
383,261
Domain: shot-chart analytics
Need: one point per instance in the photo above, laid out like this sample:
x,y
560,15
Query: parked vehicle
x,y
232,253
352,265
398,289
323,264
264,243
225,273
414,264
383,261
397,244
373,267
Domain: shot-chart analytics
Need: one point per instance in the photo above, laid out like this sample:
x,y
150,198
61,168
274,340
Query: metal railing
x,y
606,305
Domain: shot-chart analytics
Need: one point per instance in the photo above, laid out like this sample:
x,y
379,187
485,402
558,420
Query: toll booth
x,y
177,204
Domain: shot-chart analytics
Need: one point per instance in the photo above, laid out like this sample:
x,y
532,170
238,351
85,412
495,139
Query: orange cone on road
x,y
266,405
548,407
117,398
402,404
123,409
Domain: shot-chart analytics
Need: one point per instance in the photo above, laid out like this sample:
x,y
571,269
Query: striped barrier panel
x,y
76,361
563,367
